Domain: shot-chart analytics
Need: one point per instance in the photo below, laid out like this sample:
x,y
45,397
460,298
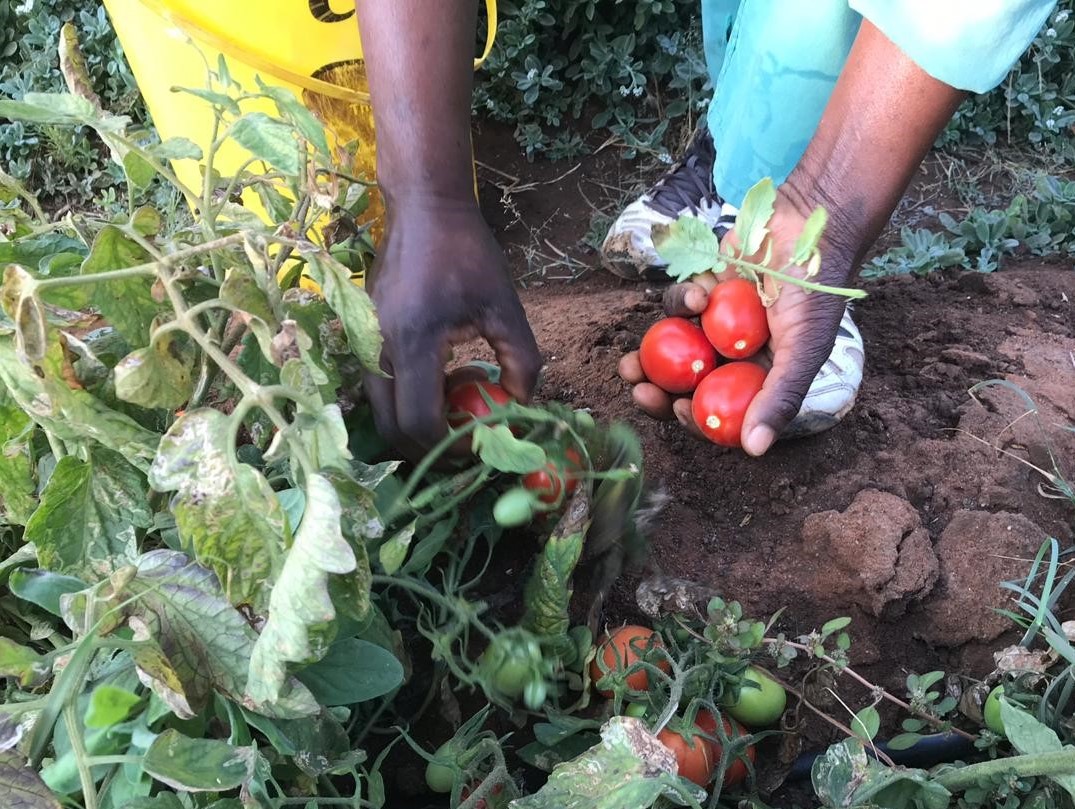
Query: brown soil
x,y
906,516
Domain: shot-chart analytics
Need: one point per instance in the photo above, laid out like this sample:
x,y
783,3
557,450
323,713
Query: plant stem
x,y
96,761
932,720
56,445
1059,762
85,776
422,589
791,279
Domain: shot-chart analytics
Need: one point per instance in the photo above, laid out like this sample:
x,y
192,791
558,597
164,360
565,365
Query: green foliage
x,y
563,67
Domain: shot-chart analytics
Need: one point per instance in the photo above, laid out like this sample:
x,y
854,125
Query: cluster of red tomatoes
x,y
684,358
759,701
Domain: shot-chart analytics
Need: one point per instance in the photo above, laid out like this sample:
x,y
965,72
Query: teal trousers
x,y
774,63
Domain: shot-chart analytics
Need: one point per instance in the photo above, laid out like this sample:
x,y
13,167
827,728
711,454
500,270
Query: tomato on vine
x,y
722,399
555,480
694,755
737,769
734,319
622,649
465,401
760,701
440,777
510,665
675,355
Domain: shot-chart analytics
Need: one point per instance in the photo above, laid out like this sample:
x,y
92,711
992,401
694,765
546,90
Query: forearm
x,y
884,115
420,69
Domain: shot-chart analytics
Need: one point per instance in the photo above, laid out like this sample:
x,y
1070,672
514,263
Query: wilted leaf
x,y
810,236
689,246
353,671
22,663
224,509
89,514
109,705
498,448
128,303
45,392
25,308
353,307
198,765
629,768
21,787
752,222
198,644
269,140
43,588
241,289
159,375
16,466
845,776
300,598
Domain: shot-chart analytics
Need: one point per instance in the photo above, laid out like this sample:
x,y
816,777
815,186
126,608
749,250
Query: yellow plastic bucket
x,y
311,47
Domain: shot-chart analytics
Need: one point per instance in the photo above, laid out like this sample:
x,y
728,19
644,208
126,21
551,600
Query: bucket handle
x,y
235,51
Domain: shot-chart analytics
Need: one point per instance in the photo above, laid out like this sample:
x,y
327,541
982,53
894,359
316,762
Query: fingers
x,y
687,300
653,401
419,389
508,332
630,368
683,414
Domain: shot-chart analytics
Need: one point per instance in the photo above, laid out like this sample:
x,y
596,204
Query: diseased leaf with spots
x,y
26,310
160,375
89,516
300,599
269,140
128,303
225,510
241,289
21,787
689,246
17,485
352,306
198,765
311,128
22,663
48,392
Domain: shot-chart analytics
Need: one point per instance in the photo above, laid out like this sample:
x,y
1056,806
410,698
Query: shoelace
x,y
689,183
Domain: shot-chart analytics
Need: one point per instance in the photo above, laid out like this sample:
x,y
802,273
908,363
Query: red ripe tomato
x,y
737,770
694,755
722,399
631,642
734,320
465,402
676,355
547,483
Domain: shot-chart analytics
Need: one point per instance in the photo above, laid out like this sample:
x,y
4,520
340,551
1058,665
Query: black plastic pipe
x,y
928,752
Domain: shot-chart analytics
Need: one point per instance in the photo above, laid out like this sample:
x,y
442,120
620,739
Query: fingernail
x,y
759,439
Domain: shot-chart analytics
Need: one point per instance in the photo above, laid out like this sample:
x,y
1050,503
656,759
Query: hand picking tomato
x,y
734,320
554,479
465,401
693,755
737,770
621,650
675,355
761,705
722,399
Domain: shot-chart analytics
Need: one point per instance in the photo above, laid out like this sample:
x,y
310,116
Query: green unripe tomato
x,y
513,508
534,694
991,711
507,673
584,421
635,709
440,777
761,706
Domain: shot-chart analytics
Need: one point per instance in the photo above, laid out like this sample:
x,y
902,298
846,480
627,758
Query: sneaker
x,y
686,190
833,391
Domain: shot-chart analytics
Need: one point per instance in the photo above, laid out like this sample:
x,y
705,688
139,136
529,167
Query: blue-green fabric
x,y
774,63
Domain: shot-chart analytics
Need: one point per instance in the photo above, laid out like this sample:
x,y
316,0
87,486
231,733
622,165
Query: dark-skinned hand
x,y
802,325
441,279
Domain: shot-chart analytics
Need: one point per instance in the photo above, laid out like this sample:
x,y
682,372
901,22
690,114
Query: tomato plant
x,y
760,700
735,320
694,754
467,400
675,355
722,399
623,649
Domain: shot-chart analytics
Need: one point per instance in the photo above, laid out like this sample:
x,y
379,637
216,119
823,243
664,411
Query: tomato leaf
x,y
752,222
16,465
128,303
846,776
810,237
109,705
304,120
24,307
392,553
353,671
225,510
269,140
1031,737
193,642
499,449
23,663
90,512
198,765
176,149
48,108
21,786
300,597
352,306
628,768
547,595
43,588
241,289
689,246
160,375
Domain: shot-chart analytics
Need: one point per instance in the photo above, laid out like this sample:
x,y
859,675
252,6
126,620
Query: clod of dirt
x,y
976,551
876,554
